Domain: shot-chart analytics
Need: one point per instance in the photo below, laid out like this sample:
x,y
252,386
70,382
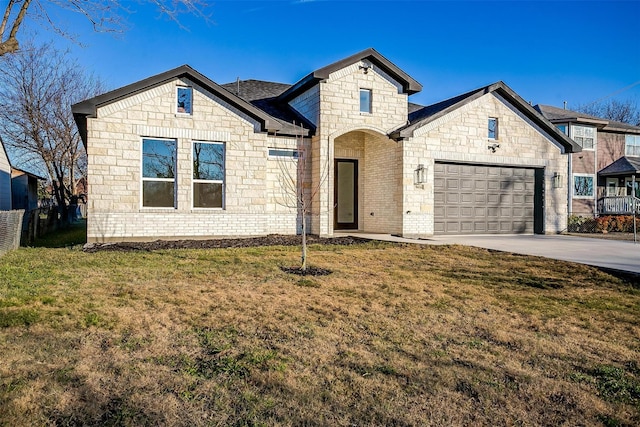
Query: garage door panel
x,y
483,199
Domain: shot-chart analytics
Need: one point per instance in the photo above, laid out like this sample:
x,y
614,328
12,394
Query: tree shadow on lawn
x,y
66,237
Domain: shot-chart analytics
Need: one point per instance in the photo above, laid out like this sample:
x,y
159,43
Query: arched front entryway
x,y
366,182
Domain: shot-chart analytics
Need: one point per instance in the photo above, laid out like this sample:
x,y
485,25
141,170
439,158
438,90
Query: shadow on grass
x,y
73,234
629,277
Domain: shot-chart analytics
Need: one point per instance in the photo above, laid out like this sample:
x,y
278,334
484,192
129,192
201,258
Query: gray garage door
x,y
480,199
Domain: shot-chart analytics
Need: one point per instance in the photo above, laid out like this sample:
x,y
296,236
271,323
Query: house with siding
x,y
603,174
178,156
5,179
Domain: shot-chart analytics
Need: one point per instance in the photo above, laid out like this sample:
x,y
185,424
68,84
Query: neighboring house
x,y
603,173
5,179
24,189
24,195
180,156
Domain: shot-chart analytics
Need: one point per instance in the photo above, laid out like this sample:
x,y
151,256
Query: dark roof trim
x,y
506,92
409,84
88,108
560,115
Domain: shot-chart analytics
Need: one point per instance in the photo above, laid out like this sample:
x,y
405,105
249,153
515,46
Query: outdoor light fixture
x,y
420,175
365,67
493,147
557,180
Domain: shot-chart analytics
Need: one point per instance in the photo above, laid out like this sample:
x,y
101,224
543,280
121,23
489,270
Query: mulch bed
x,y
270,240
310,271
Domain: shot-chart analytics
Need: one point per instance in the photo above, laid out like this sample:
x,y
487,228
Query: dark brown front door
x,y
346,195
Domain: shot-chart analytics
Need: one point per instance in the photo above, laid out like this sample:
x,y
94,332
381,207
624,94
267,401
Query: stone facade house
x,y
180,156
603,173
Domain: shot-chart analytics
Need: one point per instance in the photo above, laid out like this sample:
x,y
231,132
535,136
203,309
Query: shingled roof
x,y
559,115
623,166
264,95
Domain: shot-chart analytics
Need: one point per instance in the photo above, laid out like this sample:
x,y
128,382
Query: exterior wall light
x,y
557,180
420,175
493,147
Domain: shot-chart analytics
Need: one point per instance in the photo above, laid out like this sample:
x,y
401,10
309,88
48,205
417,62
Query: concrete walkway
x,y
613,254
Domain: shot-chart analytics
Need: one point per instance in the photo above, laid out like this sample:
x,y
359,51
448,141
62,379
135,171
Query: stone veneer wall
x,y
114,169
340,115
461,136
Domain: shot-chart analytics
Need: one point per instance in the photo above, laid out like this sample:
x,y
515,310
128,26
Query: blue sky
x,y
547,51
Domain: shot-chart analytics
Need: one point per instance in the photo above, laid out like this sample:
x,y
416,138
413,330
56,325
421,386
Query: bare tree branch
x,y
104,15
38,85
619,111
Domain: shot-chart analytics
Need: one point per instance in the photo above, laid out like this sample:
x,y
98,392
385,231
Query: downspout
x,y
595,173
570,186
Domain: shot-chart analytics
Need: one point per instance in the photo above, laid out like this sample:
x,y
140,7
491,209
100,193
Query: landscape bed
x,y
396,335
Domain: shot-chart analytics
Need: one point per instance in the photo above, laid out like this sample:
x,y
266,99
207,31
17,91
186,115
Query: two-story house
x,y
603,173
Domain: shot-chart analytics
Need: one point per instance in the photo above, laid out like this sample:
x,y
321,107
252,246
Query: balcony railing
x,y
618,205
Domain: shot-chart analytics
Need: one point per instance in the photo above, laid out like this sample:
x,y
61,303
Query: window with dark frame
x,y
185,98
158,173
493,128
365,101
208,174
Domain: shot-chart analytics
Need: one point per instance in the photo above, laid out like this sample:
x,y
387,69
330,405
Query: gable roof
x,y
560,115
88,108
623,166
428,114
409,85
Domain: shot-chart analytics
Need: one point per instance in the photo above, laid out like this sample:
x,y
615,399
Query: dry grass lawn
x,y
396,336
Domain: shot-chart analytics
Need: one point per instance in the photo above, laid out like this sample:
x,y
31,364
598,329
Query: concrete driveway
x,y
613,254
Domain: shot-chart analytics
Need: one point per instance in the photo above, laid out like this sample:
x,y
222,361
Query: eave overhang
x,y
88,108
505,92
409,84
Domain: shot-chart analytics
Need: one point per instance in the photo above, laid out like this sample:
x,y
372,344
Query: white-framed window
x,y
583,186
184,97
208,174
585,136
632,145
366,101
492,128
158,173
283,152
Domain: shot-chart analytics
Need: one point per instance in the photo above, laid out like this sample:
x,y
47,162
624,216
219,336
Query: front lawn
x,y
396,335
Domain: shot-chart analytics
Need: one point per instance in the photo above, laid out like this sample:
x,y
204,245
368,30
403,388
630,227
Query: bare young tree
x,y
104,15
38,85
619,111
299,190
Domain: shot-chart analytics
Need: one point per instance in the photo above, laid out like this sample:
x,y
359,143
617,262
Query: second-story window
x,y
365,100
632,145
493,128
584,135
185,97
